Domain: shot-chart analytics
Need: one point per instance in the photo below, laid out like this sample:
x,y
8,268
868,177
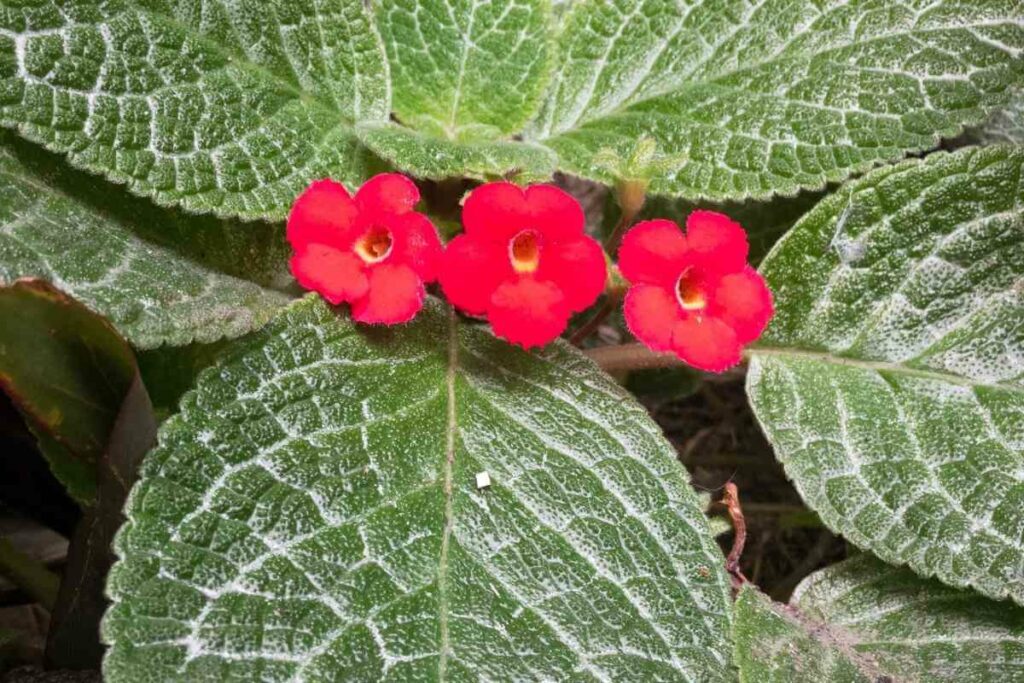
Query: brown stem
x,y
631,200
731,500
589,327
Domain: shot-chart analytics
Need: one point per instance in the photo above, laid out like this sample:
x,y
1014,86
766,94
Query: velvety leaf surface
x,y
154,273
312,514
772,96
916,629
224,106
426,156
465,69
774,644
889,381
67,370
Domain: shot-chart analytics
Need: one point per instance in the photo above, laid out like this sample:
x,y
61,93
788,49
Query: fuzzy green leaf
x,y
158,275
312,514
223,106
467,74
426,156
865,621
916,629
756,98
775,644
890,380
466,69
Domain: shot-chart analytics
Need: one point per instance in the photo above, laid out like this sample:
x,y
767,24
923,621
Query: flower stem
x,y
631,197
29,574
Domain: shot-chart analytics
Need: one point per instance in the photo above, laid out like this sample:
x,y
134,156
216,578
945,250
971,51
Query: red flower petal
x,y
337,275
654,252
578,268
742,301
527,312
324,214
706,343
554,213
387,193
717,240
395,296
471,269
415,244
495,212
652,312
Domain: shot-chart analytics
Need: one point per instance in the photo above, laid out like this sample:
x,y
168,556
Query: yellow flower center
x,y
374,245
688,291
524,252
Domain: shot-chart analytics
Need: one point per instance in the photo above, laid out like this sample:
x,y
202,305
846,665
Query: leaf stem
x,y
634,356
29,574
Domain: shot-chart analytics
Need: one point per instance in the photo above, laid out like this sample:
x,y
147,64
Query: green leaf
x,y
466,75
75,473
776,644
863,620
890,380
464,70
312,514
67,370
758,98
426,156
154,273
229,107
917,629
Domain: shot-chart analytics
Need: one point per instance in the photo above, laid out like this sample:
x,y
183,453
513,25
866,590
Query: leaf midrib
x,y
449,459
879,366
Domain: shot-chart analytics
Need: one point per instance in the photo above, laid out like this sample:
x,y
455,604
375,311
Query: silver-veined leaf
x,y
313,514
865,621
222,106
161,277
890,380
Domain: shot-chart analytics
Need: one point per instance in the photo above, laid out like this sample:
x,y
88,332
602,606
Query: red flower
x,y
372,251
523,261
694,294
